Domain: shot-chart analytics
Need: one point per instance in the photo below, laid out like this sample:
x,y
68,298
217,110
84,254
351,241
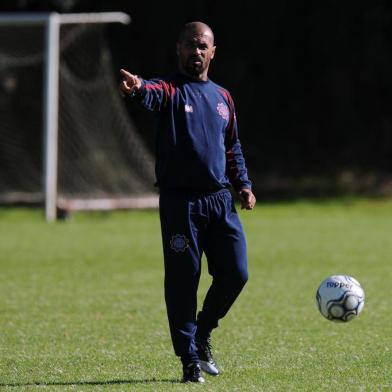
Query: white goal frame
x,y
52,22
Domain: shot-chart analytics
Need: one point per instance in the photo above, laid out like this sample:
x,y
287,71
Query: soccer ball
x,y
340,298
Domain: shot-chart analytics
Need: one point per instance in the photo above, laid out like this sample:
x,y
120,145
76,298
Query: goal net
x,y
102,161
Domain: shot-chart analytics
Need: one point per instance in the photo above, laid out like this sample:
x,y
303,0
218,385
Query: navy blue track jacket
x,y
197,145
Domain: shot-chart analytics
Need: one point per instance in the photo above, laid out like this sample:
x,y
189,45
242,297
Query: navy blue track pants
x,y
192,224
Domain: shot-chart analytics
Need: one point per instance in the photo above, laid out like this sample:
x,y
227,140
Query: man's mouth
x,y
196,62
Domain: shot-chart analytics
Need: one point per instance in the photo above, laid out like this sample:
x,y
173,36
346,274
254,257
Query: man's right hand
x,y
130,83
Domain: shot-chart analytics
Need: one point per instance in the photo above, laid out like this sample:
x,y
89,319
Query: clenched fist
x,y
248,199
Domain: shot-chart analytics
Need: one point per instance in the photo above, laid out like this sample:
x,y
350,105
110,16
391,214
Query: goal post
x,y
50,115
52,23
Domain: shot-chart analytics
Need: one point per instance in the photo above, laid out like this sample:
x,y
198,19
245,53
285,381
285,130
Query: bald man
x,y
198,160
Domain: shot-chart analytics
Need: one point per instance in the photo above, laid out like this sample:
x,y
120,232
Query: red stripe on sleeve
x,y
168,89
149,86
233,171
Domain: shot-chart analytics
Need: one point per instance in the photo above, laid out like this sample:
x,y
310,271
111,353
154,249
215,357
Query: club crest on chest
x,y
223,111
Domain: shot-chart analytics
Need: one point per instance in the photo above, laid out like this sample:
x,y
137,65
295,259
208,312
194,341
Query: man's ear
x,y
178,49
213,52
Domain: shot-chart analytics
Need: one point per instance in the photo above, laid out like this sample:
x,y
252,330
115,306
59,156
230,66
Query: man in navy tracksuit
x,y
198,157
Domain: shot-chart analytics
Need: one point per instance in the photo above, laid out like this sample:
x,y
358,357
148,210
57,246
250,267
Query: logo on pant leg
x,y
179,243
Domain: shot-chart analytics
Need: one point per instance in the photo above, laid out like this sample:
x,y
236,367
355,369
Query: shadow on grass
x,y
108,382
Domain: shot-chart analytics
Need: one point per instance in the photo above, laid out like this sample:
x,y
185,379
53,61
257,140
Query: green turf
x,y
81,304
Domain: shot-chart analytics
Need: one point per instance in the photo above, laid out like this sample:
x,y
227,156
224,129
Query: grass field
x,y
81,303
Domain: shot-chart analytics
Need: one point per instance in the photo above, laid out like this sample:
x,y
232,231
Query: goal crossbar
x,y
14,18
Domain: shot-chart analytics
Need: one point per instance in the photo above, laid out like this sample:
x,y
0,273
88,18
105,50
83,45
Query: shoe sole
x,y
200,380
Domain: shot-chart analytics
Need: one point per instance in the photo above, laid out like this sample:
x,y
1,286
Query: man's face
x,y
195,51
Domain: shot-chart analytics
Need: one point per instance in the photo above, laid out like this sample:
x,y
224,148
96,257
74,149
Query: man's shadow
x,y
108,382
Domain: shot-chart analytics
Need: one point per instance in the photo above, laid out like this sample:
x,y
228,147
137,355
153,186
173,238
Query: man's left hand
x,y
248,199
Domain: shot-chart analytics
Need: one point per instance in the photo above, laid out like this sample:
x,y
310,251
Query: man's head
x,y
195,50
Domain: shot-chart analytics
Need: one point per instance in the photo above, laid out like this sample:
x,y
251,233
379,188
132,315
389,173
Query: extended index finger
x,y
126,73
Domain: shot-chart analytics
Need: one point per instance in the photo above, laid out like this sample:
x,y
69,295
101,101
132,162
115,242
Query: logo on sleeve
x,y
179,243
223,111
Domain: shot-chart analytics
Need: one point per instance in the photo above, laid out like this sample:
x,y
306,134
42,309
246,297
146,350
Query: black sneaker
x,y
192,373
207,363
